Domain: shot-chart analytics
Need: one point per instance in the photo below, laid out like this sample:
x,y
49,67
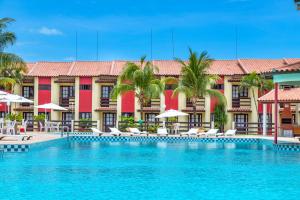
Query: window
x,y
195,121
44,87
218,87
109,120
28,92
2,114
127,114
85,87
106,90
238,92
269,120
47,114
29,117
67,117
85,115
67,91
240,121
150,117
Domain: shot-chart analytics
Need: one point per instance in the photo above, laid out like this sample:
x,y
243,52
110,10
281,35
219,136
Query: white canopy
x,y
51,106
3,93
13,98
171,113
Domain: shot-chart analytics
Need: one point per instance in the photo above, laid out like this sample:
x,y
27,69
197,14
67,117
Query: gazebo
x,y
288,77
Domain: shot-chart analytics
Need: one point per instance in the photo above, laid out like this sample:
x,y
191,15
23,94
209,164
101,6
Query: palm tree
x,y
254,80
195,81
141,79
12,67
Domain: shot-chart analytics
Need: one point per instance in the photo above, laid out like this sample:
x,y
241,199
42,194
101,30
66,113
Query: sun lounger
x,y
230,132
210,133
135,131
115,131
162,132
15,137
97,131
192,131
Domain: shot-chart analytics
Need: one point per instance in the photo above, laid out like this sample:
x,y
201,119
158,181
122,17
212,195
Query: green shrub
x,y
39,118
13,117
127,122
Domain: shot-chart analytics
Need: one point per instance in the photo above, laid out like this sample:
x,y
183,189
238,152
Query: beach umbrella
x,y
171,113
51,106
13,98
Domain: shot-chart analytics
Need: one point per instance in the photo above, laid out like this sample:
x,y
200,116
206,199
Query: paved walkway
x,y
42,137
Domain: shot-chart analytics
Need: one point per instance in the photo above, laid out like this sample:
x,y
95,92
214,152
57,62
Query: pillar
x,y
276,113
297,114
264,119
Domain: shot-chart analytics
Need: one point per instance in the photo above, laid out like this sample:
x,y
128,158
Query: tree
x,y
141,79
12,67
254,80
195,81
220,116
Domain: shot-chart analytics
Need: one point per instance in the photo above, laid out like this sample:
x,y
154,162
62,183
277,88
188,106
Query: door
x,y
109,120
195,121
241,122
67,117
28,116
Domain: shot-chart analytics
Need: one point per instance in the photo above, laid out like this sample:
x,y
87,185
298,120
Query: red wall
x,y
260,105
214,100
85,96
171,102
44,95
128,102
3,106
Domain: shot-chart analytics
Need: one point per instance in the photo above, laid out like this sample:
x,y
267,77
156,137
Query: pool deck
x,y
43,137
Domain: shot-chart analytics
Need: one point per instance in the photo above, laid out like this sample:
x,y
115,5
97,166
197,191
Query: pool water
x,y
155,170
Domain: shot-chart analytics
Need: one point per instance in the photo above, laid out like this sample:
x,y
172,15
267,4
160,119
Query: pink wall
x,y
128,102
44,95
85,96
171,102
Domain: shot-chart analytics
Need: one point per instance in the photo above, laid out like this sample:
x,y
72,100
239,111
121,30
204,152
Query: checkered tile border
x,y
14,147
287,147
163,139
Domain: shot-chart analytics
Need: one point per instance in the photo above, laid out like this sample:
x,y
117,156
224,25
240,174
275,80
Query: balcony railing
x,y
241,103
107,102
67,102
200,103
153,103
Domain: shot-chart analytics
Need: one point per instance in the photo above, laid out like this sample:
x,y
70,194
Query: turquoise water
x,y
133,170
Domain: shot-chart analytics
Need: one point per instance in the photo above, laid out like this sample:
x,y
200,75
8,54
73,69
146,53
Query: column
x,y
297,114
264,119
276,113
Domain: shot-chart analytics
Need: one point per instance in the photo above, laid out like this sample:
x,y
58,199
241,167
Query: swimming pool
x,y
70,169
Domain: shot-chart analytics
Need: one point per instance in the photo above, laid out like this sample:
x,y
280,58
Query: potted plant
x,y
85,123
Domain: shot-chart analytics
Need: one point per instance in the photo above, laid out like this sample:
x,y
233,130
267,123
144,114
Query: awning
x,y
290,95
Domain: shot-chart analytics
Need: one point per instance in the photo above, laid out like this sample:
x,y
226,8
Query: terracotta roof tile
x,y
287,95
287,68
90,68
50,69
260,65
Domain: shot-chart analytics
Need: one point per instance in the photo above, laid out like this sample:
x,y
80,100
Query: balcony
x,y
240,105
67,102
107,102
200,105
152,103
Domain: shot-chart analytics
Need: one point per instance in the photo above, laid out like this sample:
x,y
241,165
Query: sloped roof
x,y
166,67
284,95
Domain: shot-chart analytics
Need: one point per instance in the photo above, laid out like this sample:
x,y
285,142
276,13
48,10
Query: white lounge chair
x,y
96,131
135,131
210,133
10,127
192,131
15,137
115,131
162,132
230,132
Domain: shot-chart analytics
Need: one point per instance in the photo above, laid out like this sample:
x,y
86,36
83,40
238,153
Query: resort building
x,y
83,87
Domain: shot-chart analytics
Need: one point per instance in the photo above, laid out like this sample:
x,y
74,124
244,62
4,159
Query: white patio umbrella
x,y
50,106
171,113
13,98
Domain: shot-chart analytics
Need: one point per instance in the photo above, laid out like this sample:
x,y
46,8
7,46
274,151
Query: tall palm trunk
x,y
255,102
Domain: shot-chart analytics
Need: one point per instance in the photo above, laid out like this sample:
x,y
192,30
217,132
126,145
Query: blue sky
x,y
46,29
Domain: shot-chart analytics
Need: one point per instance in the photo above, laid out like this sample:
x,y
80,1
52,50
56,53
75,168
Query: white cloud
x,y
49,31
